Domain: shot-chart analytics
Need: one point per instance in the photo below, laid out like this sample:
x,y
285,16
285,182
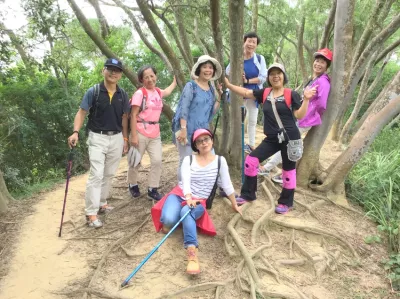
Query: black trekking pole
x,y
219,111
69,167
125,282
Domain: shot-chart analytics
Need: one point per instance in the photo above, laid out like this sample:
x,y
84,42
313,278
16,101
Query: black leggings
x,y
266,149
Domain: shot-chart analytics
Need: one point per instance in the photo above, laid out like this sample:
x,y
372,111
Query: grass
x,y
31,190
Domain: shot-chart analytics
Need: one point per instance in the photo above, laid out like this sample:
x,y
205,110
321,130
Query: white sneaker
x,y
278,179
95,223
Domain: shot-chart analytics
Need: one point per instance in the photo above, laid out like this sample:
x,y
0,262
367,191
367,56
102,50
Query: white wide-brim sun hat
x,y
134,157
205,58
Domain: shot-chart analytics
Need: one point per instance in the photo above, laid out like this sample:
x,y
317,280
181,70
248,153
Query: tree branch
x,y
142,36
105,28
387,50
300,53
328,26
100,43
254,15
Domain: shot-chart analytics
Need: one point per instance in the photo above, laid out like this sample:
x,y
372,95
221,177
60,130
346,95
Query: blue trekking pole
x,y
242,110
154,250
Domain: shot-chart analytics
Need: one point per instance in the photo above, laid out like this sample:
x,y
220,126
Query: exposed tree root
x,y
129,253
110,249
291,245
198,288
264,218
90,238
119,228
315,230
272,186
91,291
308,208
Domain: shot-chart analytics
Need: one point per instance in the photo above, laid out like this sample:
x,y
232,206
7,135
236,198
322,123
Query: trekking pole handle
x,y
242,111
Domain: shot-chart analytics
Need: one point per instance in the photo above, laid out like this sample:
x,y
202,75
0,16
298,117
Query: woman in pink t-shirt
x,y
146,110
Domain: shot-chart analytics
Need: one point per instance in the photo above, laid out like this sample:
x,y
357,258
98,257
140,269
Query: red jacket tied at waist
x,y
204,223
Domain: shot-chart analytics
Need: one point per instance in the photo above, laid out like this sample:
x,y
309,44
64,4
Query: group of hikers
x,y
200,171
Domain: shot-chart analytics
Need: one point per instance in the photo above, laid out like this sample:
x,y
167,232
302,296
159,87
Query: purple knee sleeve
x,y
251,166
289,179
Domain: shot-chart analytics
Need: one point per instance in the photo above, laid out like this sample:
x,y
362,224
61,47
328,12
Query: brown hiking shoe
x,y
193,266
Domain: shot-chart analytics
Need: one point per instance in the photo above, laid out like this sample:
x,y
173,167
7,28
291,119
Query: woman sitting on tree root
x,y
199,176
288,104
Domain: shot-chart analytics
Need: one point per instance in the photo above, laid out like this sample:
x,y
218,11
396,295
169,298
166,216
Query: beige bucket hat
x,y
205,58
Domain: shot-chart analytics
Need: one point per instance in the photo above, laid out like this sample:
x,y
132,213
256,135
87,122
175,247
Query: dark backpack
x,y
95,98
210,198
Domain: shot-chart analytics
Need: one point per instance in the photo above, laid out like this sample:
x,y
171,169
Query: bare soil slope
x,y
315,252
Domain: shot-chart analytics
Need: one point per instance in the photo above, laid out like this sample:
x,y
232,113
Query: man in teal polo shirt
x,y
108,108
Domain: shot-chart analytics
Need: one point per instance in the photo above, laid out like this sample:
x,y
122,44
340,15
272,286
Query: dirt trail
x,y
298,260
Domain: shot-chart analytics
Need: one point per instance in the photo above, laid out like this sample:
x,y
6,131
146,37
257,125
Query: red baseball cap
x,y
325,52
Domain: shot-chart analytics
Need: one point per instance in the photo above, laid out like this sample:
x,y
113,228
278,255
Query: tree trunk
x,y
362,96
188,62
300,53
359,145
143,37
215,12
104,27
182,33
328,26
254,15
368,31
387,50
197,38
162,41
359,67
5,196
317,135
15,41
236,14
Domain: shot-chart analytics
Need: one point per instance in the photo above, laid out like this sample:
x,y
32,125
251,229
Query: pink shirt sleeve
x,y
137,98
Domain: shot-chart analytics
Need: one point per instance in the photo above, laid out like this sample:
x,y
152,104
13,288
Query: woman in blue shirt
x,y
197,106
255,74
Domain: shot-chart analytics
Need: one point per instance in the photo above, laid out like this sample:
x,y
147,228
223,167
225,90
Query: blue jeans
x,y
172,211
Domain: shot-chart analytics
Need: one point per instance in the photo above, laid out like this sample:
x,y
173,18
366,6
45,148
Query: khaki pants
x,y
105,152
154,149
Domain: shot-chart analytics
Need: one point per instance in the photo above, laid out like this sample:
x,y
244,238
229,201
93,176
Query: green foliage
x,y
374,183
392,265
372,239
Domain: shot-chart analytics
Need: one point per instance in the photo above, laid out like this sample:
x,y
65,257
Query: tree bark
x,y
368,31
16,42
215,12
236,14
254,15
197,38
189,63
387,50
328,26
358,70
165,46
362,96
317,135
359,145
104,27
100,43
182,33
300,53
5,196
143,37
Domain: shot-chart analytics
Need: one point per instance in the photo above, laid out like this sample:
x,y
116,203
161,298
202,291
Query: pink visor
x,y
199,132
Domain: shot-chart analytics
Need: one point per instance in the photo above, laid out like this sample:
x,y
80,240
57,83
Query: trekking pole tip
x,y
124,284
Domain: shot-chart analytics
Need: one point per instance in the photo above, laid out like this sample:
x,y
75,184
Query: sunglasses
x,y
113,70
205,139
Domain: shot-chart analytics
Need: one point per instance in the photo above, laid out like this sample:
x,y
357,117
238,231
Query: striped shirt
x,y
199,180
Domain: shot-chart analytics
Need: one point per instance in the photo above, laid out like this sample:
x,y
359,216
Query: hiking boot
x,y
134,190
278,179
241,201
262,171
105,209
282,209
153,194
223,194
248,149
94,223
193,266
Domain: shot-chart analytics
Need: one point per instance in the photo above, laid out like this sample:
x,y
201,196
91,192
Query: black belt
x,y
105,132
148,122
